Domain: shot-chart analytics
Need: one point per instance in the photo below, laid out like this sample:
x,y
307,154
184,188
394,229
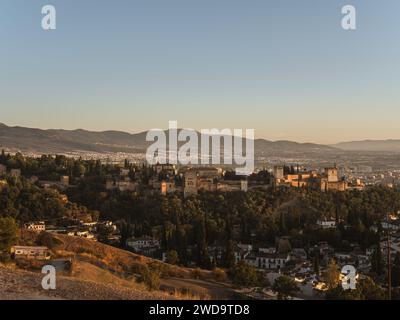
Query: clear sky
x,y
285,67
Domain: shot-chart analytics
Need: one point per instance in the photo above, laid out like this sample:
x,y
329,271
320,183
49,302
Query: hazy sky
x,y
285,67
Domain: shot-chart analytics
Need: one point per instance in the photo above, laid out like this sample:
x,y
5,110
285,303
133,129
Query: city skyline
x,y
272,66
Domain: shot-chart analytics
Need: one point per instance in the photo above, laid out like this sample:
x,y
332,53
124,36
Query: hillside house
x,y
146,246
30,252
35,226
139,244
241,251
84,234
267,261
326,224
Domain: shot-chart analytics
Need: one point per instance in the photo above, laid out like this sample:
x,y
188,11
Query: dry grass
x,y
115,259
107,265
179,295
87,271
220,275
18,284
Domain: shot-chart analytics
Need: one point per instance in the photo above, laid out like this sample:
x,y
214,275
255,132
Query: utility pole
x,y
298,177
21,226
389,258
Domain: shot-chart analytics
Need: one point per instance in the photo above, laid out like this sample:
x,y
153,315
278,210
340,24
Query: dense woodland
x,y
189,227
258,216
208,219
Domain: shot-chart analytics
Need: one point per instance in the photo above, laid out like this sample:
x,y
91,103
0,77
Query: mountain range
x,y
65,141
390,145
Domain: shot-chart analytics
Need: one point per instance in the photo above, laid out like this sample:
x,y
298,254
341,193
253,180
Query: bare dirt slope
x,y
24,285
104,272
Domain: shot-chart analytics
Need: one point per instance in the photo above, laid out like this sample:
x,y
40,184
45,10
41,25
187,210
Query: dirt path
x,y
203,289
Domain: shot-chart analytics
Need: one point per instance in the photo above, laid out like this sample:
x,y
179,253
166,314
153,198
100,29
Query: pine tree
x,y
396,271
8,236
229,259
316,264
181,241
376,260
203,258
332,275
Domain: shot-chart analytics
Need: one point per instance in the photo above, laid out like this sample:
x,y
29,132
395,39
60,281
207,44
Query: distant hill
x,y
283,146
65,141
370,145
60,141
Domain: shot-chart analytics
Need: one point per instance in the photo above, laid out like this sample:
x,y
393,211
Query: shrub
x,y
5,257
245,275
164,270
47,240
8,237
285,287
151,279
138,268
196,273
220,275
172,257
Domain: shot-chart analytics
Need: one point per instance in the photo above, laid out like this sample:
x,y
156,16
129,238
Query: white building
x,y
391,225
267,261
326,224
108,224
245,246
144,243
267,250
84,234
29,252
36,226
